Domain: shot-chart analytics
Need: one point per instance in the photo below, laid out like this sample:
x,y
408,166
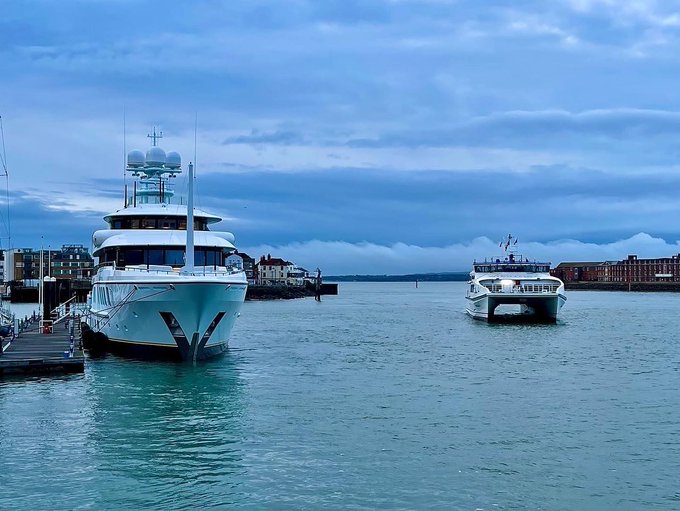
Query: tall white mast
x,y
189,257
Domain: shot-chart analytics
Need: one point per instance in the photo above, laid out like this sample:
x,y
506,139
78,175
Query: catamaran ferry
x,y
513,288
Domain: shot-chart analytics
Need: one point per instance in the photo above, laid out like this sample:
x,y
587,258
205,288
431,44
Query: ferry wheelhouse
x,y
165,285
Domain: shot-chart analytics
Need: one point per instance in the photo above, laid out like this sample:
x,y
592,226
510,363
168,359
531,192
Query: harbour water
x,y
384,397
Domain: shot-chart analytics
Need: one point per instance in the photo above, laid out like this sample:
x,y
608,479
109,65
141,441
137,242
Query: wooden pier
x,y
33,351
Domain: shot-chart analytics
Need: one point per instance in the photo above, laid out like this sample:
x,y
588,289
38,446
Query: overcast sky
x,y
360,136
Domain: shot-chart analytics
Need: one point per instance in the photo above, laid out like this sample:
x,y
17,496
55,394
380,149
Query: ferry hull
x,y
188,321
532,309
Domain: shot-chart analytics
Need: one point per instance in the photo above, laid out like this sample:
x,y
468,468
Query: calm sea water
x,y
385,397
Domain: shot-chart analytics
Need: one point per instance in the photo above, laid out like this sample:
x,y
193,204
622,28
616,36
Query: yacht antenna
x,y
124,158
195,132
195,145
155,136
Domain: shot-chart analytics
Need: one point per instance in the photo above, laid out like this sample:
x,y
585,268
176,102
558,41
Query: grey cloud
x,y
336,257
281,137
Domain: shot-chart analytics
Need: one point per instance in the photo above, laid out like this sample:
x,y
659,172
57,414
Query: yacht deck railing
x,y
170,270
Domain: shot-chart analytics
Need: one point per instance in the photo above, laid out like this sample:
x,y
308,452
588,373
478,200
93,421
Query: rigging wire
x,y
3,156
127,299
3,159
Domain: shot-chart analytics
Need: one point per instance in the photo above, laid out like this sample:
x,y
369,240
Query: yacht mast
x,y
189,257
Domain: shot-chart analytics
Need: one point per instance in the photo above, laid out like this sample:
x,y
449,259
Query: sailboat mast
x,y
3,160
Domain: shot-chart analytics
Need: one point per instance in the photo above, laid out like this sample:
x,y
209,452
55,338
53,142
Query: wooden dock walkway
x,y
34,352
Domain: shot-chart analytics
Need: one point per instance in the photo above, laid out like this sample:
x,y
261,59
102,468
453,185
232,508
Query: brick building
x,y
577,271
631,269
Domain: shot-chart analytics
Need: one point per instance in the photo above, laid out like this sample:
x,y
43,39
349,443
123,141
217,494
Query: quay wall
x,y
671,287
287,292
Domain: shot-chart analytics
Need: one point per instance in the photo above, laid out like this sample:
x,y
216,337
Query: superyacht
x,y
163,286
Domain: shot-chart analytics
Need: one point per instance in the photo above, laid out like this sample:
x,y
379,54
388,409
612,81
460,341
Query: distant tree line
x,y
421,277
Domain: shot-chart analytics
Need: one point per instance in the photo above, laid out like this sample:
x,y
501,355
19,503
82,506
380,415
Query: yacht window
x,y
134,223
155,256
199,257
211,258
134,256
148,223
118,224
174,257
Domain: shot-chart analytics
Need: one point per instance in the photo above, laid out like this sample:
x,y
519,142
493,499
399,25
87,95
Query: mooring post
x,y
317,295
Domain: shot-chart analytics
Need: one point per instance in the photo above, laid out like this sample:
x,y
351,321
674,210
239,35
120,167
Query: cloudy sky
x,y
361,136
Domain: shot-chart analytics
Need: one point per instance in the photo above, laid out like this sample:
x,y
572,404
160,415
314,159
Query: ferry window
x,y
155,256
174,257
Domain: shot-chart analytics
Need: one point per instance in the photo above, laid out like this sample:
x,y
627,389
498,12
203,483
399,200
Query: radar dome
x,y
155,157
173,160
135,159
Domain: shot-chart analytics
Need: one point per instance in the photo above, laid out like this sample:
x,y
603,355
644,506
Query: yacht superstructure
x,y
514,288
163,286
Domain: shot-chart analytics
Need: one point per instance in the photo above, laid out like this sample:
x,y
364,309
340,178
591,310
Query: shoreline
x,y
666,287
259,293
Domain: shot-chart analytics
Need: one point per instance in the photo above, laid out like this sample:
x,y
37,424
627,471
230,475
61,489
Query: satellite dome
x,y
135,159
173,160
155,157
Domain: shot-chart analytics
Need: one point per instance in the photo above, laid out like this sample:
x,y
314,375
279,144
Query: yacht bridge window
x,y
157,222
169,256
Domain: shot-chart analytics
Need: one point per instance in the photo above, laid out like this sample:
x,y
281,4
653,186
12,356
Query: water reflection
x,y
163,429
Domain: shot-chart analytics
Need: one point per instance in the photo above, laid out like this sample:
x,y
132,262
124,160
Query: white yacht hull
x,y
172,316
539,307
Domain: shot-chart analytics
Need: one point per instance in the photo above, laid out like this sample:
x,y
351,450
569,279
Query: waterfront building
x,y
70,262
248,266
274,271
631,269
577,271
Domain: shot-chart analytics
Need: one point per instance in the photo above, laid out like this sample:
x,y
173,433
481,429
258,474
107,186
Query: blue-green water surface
x,y
384,397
